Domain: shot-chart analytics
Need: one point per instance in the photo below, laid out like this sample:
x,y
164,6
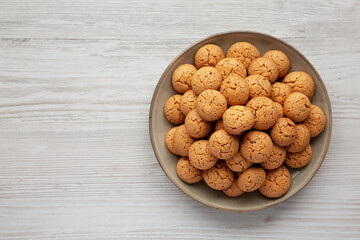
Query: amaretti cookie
x,y
281,60
235,89
283,133
182,141
181,78
297,107
251,179
302,139
299,159
259,86
223,145
196,126
219,177
256,146
264,112
172,110
300,82
244,52
187,102
206,78
230,66
279,112
169,140
187,172
316,121
265,67
208,55
219,125
238,119
279,92
277,182
234,190
276,158
238,163
211,105
200,156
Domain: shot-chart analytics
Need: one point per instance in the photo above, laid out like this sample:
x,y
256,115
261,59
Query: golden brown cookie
x,y
297,107
316,121
211,105
235,89
219,177
302,139
182,141
244,52
264,112
208,55
264,67
200,156
196,126
300,159
223,145
169,140
256,146
251,179
279,92
172,110
187,172
187,102
234,190
276,158
281,60
219,125
259,86
181,78
230,66
283,132
279,113
206,78
238,163
300,82
277,182
238,119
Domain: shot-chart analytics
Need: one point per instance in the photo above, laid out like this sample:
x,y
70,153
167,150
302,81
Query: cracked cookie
x,y
300,82
279,113
276,158
238,163
265,67
281,60
181,77
234,190
316,121
279,92
182,141
187,102
211,105
219,177
251,179
223,145
208,55
297,107
256,146
300,159
187,172
169,140
235,89
264,112
283,132
301,141
200,156
172,110
206,78
238,119
259,86
230,66
244,52
196,126
277,182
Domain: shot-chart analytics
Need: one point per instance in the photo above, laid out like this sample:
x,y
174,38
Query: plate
x,y
159,125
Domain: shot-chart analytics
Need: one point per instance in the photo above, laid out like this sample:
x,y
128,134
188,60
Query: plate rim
x,y
283,199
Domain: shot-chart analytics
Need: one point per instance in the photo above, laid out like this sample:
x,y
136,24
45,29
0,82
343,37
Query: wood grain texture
x,y
76,81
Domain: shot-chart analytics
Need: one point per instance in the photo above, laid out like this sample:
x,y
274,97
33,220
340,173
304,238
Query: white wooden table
x,y
76,80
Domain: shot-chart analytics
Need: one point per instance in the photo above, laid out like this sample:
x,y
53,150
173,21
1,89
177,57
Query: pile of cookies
x,y
243,119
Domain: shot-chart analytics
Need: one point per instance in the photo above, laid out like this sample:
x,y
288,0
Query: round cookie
x,y
264,112
208,55
181,78
297,107
219,177
206,78
196,126
277,182
211,105
244,52
238,163
283,132
302,139
223,145
281,60
187,172
182,141
316,121
259,86
265,67
200,156
300,82
256,146
300,159
279,113
169,140
219,125
187,102
172,110
230,66
234,190
276,158
235,89
251,179
238,119
279,92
